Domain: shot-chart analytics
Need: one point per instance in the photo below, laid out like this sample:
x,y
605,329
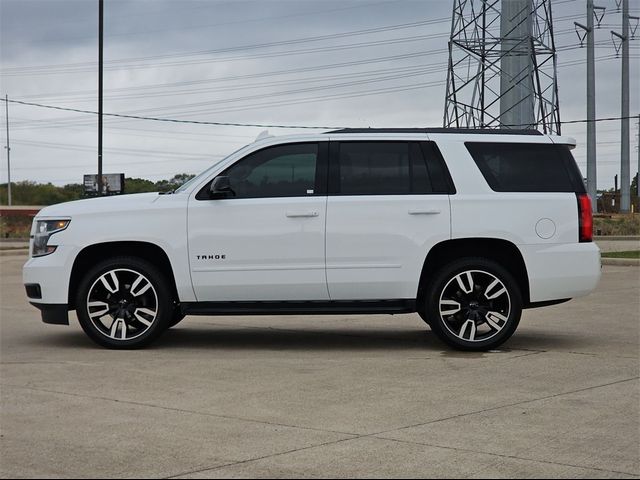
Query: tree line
x,y
33,193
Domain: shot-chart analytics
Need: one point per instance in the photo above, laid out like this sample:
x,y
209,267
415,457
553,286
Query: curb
x,y
622,262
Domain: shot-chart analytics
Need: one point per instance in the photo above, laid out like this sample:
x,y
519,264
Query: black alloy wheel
x,y
473,304
124,302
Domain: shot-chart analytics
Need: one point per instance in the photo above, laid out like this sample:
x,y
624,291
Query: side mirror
x,y
221,188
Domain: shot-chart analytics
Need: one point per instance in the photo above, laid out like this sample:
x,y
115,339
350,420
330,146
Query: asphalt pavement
x,y
325,396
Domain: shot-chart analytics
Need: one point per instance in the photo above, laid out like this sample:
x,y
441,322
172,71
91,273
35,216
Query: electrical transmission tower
x,y
502,66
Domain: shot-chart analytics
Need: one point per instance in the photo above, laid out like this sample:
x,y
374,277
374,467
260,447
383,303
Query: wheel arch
x,y
91,254
501,251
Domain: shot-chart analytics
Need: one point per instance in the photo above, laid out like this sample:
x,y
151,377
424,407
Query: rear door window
x,y
385,168
527,167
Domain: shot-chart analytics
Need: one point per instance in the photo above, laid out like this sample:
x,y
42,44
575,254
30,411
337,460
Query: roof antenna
x,y
264,134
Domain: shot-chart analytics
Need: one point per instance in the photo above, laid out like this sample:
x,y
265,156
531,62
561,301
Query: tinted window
x,y
438,174
526,167
375,168
280,171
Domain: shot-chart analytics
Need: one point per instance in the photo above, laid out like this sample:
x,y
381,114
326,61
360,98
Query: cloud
x,y
282,62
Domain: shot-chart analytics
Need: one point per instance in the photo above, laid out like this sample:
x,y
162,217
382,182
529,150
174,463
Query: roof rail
x,y
471,131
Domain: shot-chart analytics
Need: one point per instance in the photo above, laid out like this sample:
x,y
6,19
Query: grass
x,y
629,254
15,227
616,224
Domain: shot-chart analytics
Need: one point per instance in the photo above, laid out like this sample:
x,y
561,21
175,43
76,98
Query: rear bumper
x,y
561,271
52,313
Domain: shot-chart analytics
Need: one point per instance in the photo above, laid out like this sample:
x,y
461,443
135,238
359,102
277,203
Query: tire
x,y
176,318
424,317
473,304
124,303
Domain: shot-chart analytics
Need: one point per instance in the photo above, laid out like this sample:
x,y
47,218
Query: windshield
x,y
200,176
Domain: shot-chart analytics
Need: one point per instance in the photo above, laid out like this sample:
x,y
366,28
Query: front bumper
x,y
51,273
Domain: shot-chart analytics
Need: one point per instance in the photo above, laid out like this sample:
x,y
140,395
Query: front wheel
x,y
473,304
124,302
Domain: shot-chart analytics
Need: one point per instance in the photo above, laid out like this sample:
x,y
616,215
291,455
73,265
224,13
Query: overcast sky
x,y
377,64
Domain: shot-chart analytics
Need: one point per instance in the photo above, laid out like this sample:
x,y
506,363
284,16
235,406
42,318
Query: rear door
x,y
388,205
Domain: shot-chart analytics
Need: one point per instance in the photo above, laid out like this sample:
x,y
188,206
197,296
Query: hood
x,y
109,204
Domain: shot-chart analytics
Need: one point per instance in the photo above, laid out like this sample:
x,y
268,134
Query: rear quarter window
x,y
527,167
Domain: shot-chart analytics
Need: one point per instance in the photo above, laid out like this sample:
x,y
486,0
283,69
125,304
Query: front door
x,y
267,242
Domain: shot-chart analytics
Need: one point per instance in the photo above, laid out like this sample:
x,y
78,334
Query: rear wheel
x,y
473,304
176,318
124,302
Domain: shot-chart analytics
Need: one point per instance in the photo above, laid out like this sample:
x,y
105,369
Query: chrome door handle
x,y
302,214
420,211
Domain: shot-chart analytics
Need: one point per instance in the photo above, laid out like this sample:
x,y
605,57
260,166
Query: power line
x,y
310,99
127,151
27,69
372,75
71,121
258,96
192,27
128,131
231,124
250,75
304,51
158,119
335,96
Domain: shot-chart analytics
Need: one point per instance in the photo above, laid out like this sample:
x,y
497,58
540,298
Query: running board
x,y
310,307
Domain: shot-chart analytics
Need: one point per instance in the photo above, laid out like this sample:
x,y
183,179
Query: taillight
x,y
585,218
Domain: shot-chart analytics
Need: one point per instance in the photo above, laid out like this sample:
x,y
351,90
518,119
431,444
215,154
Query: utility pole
x,y
589,34
592,170
100,62
6,109
638,172
625,161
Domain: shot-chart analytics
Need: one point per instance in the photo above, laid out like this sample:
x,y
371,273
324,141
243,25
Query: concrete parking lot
x,y
364,396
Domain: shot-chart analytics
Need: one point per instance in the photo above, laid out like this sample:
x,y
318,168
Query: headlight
x,y
44,229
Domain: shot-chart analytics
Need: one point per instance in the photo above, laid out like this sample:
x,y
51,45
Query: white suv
x,y
464,227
